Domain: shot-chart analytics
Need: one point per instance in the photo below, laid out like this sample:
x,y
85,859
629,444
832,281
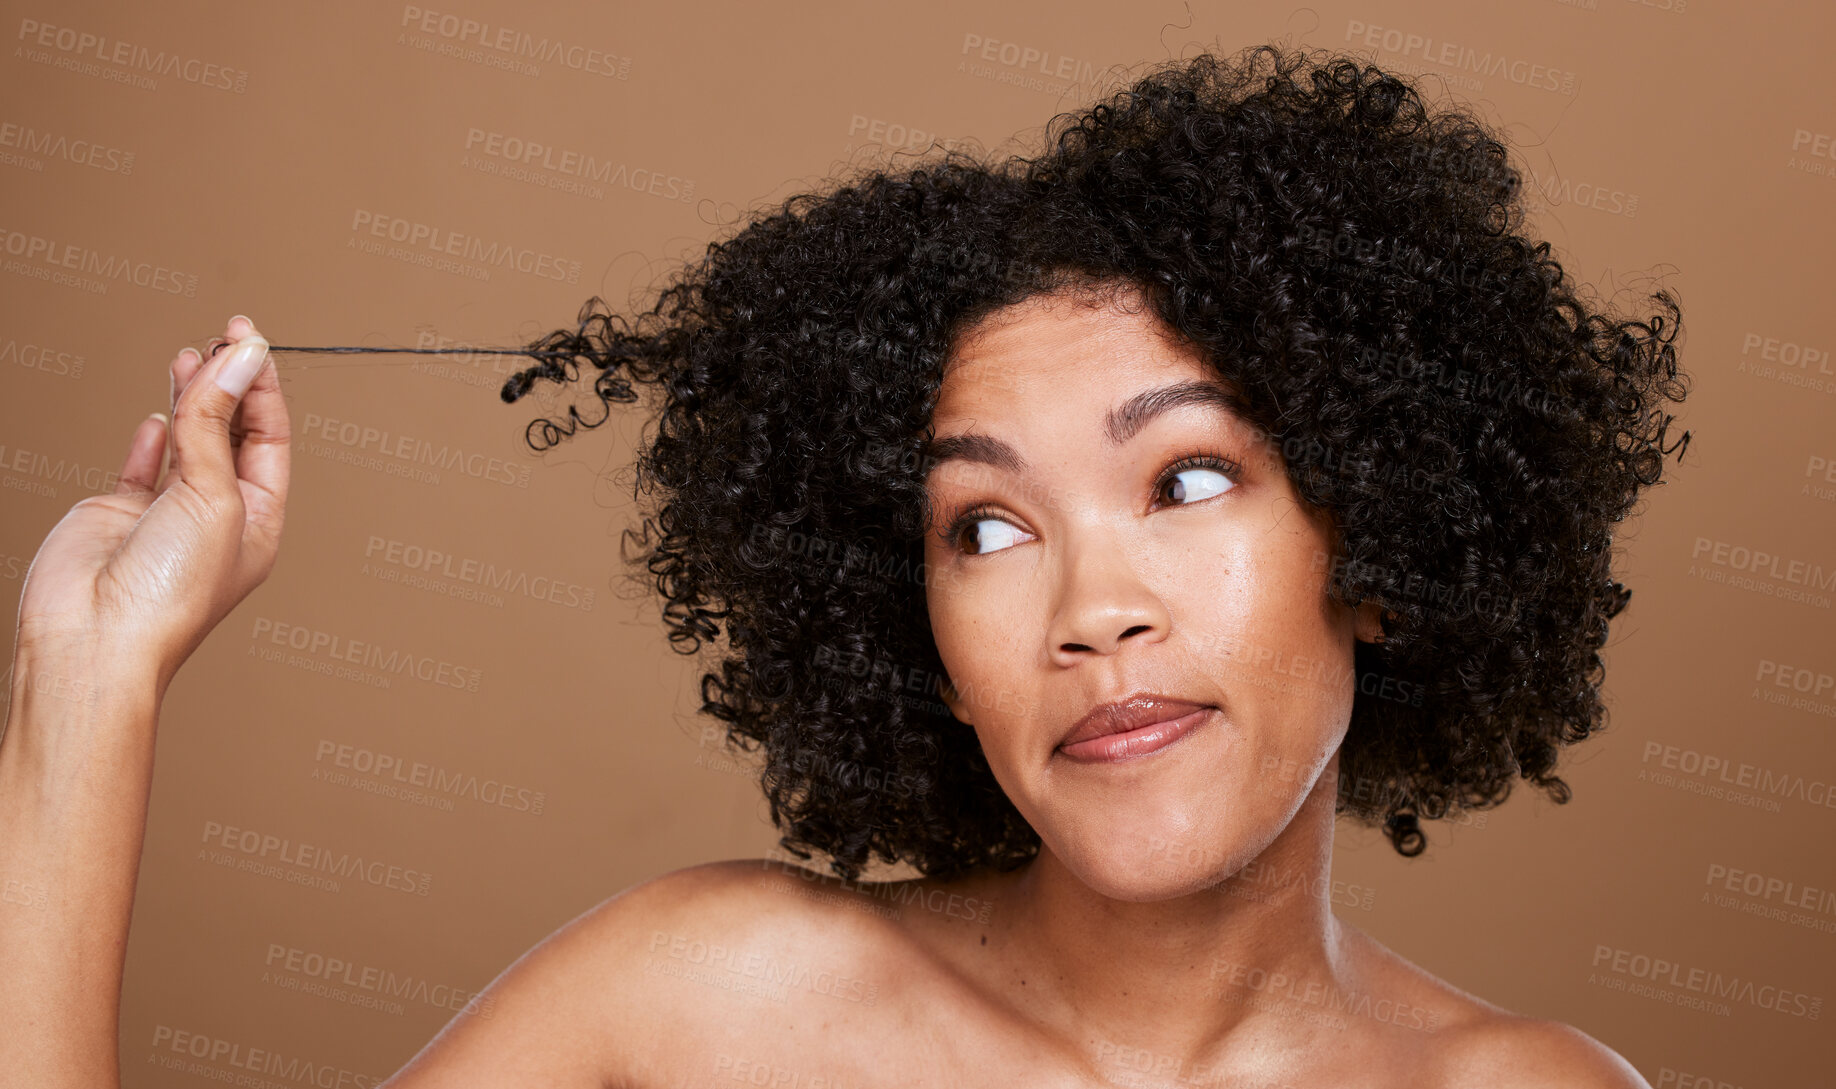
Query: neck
x,y
1179,978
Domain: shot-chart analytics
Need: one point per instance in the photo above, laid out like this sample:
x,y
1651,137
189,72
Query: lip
x,y
1136,725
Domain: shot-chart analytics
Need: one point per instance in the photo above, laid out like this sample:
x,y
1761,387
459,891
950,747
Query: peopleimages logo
x,y
1560,191
79,45
1735,781
30,141
764,967
81,261
516,44
361,440
1030,59
52,361
472,572
398,770
369,979
446,242
188,1052
43,467
1462,58
261,847
570,163
330,648
1760,563
1769,888
1704,985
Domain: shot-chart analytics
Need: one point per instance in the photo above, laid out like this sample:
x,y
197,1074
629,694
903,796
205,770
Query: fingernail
x,y
244,362
246,319
195,354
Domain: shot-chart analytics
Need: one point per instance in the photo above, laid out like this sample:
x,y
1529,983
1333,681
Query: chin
x,y
1146,860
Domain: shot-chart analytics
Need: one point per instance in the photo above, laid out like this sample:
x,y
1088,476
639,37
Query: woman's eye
x,y
1191,485
976,540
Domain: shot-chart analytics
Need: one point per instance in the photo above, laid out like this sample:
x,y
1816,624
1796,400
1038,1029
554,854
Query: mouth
x,y
1132,727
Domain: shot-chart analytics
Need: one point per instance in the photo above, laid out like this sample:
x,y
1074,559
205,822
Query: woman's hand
x,y
144,574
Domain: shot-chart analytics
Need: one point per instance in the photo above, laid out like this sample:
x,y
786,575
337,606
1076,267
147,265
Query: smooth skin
x,y
1176,928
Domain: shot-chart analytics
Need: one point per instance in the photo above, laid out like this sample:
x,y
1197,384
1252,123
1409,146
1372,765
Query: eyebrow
x,y
1121,424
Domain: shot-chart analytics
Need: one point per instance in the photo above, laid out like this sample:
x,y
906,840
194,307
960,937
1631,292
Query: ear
x,y
1366,622
953,700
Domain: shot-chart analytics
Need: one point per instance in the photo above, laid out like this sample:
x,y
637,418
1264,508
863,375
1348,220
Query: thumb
x,y
201,454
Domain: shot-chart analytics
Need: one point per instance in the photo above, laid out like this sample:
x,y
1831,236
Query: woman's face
x,y
1129,534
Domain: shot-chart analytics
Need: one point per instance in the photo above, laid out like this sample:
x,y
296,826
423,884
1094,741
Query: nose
x,y
1102,601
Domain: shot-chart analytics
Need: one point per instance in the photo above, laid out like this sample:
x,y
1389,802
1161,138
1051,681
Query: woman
x,y
1086,530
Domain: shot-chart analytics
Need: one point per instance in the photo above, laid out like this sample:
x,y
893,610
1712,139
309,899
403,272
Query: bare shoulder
x,y
658,975
1509,1051
1480,1045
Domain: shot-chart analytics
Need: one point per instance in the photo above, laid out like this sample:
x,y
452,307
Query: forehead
x,y
1091,343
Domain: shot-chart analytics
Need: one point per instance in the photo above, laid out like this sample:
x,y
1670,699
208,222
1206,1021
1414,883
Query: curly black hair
x,y
1350,261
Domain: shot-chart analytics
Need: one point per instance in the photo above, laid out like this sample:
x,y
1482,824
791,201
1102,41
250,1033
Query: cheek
x,y
987,641
1259,627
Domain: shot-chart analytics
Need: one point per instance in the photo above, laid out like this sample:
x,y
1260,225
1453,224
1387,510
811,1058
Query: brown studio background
x,y
1684,143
